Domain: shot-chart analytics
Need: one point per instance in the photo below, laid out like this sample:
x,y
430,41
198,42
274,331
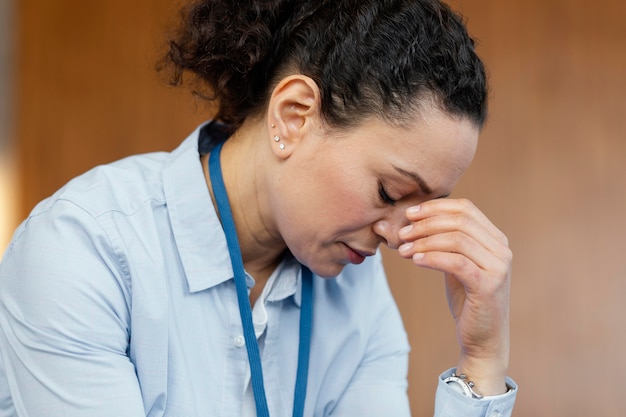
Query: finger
x,y
451,223
451,242
441,207
449,263
463,208
468,273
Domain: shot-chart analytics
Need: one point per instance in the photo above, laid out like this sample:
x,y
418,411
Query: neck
x,y
244,169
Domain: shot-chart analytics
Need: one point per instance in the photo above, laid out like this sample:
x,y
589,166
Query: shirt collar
x,y
197,230
287,281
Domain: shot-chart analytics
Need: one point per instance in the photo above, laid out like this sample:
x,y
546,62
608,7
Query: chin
x,y
327,271
324,268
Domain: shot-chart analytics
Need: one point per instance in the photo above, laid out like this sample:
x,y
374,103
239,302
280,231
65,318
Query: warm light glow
x,y
8,175
8,199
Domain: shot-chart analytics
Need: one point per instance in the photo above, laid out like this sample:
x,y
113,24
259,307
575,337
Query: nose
x,y
387,228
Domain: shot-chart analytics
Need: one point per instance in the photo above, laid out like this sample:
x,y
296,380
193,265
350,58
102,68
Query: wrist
x,y
488,376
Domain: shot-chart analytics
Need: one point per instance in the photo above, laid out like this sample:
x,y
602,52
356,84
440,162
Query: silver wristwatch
x,y
461,384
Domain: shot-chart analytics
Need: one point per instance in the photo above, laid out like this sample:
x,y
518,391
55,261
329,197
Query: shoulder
x,y
124,185
118,186
80,225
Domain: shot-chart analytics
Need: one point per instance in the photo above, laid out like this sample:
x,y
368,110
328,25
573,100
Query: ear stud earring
x,y
277,139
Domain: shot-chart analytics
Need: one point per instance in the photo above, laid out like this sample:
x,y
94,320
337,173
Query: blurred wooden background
x,y
550,171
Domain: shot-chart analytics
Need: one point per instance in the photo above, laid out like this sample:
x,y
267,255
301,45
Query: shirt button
x,y
239,341
495,414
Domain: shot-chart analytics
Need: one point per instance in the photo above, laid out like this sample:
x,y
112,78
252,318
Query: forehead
x,y
432,146
429,133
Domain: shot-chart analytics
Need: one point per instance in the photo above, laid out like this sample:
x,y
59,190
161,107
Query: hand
x,y
455,237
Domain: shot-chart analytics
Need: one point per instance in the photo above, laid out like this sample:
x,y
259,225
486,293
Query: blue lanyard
x,y
306,309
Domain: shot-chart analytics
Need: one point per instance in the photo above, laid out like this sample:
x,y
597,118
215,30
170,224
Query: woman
x,y
340,125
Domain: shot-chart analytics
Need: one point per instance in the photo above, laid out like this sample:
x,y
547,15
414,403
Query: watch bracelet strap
x,y
466,387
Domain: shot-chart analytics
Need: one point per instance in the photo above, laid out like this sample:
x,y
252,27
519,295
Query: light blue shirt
x,y
117,299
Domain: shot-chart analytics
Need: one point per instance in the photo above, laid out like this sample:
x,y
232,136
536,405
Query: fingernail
x,y
418,256
413,210
405,247
405,230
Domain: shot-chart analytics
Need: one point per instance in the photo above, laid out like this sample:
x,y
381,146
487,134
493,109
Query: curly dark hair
x,y
368,57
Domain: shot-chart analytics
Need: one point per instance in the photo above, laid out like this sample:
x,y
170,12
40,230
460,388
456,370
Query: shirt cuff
x,y
450,403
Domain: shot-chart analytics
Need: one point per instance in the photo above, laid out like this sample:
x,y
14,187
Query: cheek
x,y
319,201
351,210
355,210
326,209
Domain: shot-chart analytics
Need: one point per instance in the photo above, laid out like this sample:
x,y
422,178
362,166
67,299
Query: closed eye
x,y
384,196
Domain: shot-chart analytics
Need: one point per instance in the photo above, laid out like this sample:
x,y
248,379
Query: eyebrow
x,y
415,177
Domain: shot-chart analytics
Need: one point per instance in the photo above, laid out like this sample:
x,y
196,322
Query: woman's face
x,y
338,196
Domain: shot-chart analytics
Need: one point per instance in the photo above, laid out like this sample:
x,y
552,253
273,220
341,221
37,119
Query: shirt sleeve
x,y
64,321
450,403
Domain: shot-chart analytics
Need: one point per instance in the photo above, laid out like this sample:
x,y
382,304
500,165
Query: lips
x,y
357,256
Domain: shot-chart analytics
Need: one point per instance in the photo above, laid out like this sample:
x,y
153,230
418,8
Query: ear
x,y
293,113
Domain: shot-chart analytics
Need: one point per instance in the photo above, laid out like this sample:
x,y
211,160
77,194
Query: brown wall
x,y
551,170
89,93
